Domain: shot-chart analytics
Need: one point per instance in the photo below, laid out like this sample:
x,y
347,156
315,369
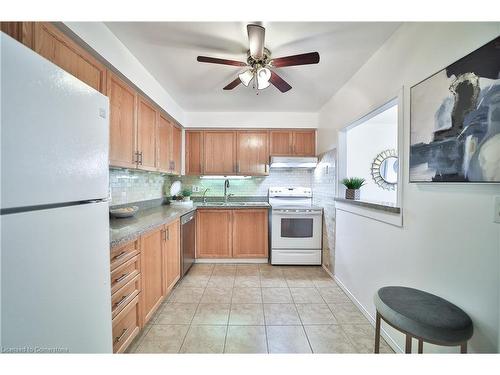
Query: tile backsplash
x,y
324,185
128,186
255,186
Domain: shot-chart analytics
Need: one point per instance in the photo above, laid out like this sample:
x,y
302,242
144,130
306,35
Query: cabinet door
x,y
147,117
219,156
252,153
55,46
151,272
164,144
250,233
176,150
281,142
122,123
213,234
172,255
21,31
304,142
194,152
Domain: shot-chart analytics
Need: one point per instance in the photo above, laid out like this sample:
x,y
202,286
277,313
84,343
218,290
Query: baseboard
x,y
328,271
392,343
232,260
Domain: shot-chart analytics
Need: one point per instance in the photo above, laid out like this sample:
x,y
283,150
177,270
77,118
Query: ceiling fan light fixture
x,y
246,77
263,77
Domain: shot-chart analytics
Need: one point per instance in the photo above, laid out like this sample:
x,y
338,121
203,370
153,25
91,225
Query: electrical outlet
x,y
196,189
496,217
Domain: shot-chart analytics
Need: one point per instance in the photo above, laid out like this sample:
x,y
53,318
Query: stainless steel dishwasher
x,y
188,240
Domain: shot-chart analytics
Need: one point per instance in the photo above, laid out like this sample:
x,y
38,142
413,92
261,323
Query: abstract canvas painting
x,y
455,121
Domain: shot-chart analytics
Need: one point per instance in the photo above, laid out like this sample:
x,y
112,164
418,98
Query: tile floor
x,y
250,308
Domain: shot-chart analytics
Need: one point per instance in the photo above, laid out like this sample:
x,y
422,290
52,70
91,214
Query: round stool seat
x,y
423,315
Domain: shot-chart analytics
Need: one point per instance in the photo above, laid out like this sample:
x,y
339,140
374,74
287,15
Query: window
x,y
371,152
370,148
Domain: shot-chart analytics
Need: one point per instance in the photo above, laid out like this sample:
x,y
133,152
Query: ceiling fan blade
x,y
256,36
214,60
302,59
279,82
233,84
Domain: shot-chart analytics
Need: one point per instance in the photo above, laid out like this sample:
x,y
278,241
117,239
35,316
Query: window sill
x,y
381,206
379,211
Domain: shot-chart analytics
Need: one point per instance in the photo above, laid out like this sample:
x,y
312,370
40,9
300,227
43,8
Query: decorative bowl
x,y
123,212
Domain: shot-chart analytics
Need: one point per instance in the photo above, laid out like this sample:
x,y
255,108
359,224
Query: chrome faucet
x,y
204,193
226,186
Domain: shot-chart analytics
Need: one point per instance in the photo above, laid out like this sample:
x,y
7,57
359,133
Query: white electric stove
x,y
296,229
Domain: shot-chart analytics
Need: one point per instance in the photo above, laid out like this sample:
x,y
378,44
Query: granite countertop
x,y
124,230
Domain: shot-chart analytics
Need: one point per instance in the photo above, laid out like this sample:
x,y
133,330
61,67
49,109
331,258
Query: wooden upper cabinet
x,y
122,123
152,272
172,255
219,152
293,142
21,31
281,142
164,144
194,152
213,233
304,142
55,46
176,153
252,152
147,118
250,233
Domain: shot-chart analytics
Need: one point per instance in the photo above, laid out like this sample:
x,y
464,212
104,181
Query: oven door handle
x,y
293,213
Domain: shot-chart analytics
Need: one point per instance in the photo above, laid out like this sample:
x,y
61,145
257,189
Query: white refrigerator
x,y
55,276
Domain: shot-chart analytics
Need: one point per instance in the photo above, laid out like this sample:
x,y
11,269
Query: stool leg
x,y
463,348
377,334
420,346
408,344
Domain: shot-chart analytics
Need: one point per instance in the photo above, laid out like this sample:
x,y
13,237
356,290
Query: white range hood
x,y
293,162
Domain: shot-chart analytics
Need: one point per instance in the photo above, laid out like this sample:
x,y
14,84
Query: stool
x,y
423,316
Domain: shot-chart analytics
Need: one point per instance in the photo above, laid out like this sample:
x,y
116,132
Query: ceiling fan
x,y
260,63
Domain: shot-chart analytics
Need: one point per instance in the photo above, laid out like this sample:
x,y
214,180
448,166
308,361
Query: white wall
x,y
252,119
106,44
448,244
364,142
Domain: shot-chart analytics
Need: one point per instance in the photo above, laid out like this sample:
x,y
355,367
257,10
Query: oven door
x,y
296,229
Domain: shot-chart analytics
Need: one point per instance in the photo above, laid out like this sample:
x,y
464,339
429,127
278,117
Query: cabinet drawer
x,y
120,254
124,295
126,326
122,274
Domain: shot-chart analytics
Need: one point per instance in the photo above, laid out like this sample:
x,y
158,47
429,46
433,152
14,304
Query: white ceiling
x,y
168,51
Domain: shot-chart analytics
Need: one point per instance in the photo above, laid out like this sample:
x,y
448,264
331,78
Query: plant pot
x,y
187,198
352,194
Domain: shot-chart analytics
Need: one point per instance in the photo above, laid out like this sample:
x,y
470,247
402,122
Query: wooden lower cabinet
x,y
213,233
250,233
172,255
143,272
235,233
126,326
151,272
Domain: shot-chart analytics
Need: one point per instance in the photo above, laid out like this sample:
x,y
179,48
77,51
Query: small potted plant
x,y
186,193
353,184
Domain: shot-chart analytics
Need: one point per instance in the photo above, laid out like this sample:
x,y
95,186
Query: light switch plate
x,y
196,189
496,217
